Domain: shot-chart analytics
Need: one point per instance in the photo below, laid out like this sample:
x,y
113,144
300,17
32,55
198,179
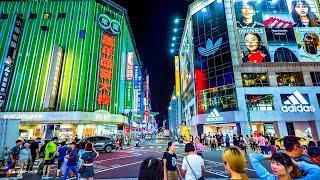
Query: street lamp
x,y
176,20
174,38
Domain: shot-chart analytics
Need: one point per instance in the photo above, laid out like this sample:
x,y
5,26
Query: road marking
x,y
120,157
120,166
151,147
159,147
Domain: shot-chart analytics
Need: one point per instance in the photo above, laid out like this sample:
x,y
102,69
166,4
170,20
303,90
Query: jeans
x,y
68,168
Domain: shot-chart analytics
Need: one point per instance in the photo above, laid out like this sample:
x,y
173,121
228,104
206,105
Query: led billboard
x,y
278,30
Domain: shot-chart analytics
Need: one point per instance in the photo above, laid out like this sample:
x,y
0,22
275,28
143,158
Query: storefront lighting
x,y
172,45
175,30
174,38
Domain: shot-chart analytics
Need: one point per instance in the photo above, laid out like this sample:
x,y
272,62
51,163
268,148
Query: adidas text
x,y
298,108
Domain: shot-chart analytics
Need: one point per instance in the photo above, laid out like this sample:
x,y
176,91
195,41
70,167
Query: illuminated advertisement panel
x,y
213,65
278,30
129,81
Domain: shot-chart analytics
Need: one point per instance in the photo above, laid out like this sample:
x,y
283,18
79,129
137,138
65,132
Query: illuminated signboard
x,y
54,78
136,89
278,30
130,63
296,102
106,65
177,75
129,81
212,59
109,25
214,116
10,58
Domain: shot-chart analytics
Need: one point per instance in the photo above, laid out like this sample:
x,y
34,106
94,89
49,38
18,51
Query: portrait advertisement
x,y
282,45
253,45
308,41
248,14
305,13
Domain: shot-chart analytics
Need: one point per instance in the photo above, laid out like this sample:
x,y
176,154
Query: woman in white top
x,y
193,164
24,157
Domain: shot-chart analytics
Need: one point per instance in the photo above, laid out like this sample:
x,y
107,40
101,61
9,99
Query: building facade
x,y
251,67
69,68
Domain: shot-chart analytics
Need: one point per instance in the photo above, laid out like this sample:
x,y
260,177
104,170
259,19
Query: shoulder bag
x,y
200,178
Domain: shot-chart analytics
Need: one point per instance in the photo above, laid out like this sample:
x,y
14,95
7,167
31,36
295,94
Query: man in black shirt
x,y
34,148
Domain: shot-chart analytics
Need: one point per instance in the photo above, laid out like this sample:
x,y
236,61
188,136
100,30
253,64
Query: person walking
x,y
273,146
283,167
262,144
62,151
24,158
235,141
242,144
192,164
170,167
214,143
72,156
219,141
13,158
235,163
86,169
50,153
34,149
227,140
198,147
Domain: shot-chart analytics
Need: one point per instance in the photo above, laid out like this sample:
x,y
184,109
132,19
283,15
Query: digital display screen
x,y
278,30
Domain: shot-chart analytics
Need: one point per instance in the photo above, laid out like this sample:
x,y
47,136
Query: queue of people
x,y
75,160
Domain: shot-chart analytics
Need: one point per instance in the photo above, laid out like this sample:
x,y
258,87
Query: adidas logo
x,y
214,116
297,103
210,49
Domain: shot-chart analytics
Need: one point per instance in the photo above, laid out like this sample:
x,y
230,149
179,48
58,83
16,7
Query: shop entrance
x,y
230,129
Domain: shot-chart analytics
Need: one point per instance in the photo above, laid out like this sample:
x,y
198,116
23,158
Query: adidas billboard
x,y
297,103
214,116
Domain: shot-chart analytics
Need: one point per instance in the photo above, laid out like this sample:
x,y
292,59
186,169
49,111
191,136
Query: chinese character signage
x,y
106,65
10,58
129,95
130,62
278,30
129,81
109,25
54,78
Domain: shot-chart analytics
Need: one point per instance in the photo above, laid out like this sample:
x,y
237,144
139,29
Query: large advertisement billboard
x,y
278,30
212,60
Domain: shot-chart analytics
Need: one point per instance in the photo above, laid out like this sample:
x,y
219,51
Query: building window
x,y
255,79
32,16
47,15
3,16
315,76
61,15
262,102
82,33
290,79
44,28
318,98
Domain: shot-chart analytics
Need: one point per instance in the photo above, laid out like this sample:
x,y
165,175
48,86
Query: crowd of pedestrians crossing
x,y
73,160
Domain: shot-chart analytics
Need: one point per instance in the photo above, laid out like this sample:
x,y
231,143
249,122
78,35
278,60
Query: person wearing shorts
x,y
50,153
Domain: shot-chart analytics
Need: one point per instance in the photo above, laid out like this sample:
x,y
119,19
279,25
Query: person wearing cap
x,y
294,149
24,157
192,164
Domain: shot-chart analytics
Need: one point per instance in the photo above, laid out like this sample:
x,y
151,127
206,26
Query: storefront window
x,y
260,102
315,76
255,79
290,79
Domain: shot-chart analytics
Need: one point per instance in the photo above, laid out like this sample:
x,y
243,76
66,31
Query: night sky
x,y
152,25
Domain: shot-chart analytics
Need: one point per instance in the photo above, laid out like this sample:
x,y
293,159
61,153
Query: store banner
x,y
9,61
129,95
130,63
136,76
139,93
177,75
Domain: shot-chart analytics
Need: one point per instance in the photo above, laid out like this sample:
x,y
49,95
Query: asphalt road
x,y
125,164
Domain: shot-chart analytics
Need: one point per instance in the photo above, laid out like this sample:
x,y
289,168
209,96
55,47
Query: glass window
x,y
315,76
262,102
255,79
318,98
290,79
100,138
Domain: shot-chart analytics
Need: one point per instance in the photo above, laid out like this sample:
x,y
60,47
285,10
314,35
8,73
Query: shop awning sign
x,y
214,116
297,103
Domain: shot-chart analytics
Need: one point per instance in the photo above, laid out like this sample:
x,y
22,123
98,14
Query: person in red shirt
x,y
257,53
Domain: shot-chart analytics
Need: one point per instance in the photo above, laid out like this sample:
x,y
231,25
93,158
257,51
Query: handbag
x,y
200,178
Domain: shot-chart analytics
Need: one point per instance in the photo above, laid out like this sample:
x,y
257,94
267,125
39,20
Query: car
x,y
101,143
279,142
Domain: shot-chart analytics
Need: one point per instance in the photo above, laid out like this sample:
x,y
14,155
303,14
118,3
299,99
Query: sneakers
x,y
19,176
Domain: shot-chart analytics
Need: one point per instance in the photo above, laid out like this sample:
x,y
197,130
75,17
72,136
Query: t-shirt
x,y
199,147
171,160
261,141
50,150
15,153
88,156
62,152
24,156
34,146
195,162
73,157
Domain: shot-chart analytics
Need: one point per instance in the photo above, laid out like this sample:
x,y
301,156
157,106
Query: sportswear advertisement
x,y
278,30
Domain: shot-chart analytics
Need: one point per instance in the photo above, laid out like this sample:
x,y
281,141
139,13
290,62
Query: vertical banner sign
x,y
147,99
177,73
106,65
54,78
8,67
139,93
129,80
136,88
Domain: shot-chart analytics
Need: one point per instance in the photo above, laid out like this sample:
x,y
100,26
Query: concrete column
x,y
272,79
307,78
80,131
245,128
282,128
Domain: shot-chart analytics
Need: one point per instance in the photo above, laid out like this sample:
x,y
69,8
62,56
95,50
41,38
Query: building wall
x,y
80,74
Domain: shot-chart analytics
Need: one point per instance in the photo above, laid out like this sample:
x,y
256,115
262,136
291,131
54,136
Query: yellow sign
x,y
177,73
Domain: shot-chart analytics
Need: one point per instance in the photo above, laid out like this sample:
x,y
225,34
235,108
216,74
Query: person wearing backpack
x,y
50,153
192,164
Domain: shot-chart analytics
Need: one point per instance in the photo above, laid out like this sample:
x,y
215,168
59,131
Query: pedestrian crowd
x,y
73,160
295,162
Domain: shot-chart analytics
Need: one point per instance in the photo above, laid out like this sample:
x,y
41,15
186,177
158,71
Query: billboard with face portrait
x,y
272,31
